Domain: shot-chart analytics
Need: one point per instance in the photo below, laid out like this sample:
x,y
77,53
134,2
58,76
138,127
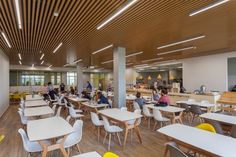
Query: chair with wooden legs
x,y
97,123
111,129
186,112
147,114
174,150
159,118
23,119
196,112
132,122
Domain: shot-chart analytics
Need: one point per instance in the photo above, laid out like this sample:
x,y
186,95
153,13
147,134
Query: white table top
x,y
90,154
78,99
30,98
37,111
170,109
88,104
206,105
220,118
120,115
48,128
216,144
35,103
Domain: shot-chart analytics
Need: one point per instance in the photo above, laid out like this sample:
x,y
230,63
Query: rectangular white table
x,y
38,111
201,141
94,106
49,128
123,117
89,154
209,106
220,118
32,98
35,103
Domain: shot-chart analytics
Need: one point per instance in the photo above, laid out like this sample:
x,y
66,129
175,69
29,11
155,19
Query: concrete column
x,y
80,82
119,77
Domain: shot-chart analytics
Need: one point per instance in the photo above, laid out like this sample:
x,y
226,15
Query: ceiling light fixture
x,y
133,54
107,62
150,60
5,38
66,65
77,61
178,50
49,66
20,63
117,13
57,48
42,62
42,56
102,49
182,41
18,13
19,55
210,6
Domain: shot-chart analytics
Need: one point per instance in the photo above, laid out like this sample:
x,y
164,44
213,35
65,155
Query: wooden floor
x,y
153,143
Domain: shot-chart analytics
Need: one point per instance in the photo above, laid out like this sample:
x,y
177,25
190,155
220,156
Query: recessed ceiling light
x,y
107,62
56,13
20,63
49,66
150,60
77,61
102,49
42,62
42,56
178,50
182,41
18,13
133,54
215,4
117,13
19,55
4,36
57,48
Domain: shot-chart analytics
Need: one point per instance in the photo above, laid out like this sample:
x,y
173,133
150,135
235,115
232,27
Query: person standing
x,y
89,86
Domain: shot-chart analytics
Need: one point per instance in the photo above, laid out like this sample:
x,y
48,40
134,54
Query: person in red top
x,y
164,99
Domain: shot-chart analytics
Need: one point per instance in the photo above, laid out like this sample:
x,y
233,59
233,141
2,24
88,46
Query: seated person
x,y
140,100
155,95
164,99
85,95
102,99
72,90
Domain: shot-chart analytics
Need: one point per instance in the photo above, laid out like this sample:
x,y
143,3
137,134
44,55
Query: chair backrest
x,y
195,109
72,112
76,136
206,127
146,111
22,117
22,105
233,131
25,140
136,106
110,102
58,112
60,99
123,108
95,119
110,154
216,125
157,115
174,150
185,106
106,123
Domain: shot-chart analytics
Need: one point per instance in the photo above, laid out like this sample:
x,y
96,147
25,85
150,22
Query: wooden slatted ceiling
x,y
143,27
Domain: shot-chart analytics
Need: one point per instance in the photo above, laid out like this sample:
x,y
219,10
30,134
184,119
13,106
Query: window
x,y
71,78
53,79
32,80
58,78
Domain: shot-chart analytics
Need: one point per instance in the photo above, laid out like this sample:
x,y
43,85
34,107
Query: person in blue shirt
x,y
89,86
140,100
155,95
102,99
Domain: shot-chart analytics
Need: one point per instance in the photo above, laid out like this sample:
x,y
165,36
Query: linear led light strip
x,y
182,41
154,59
102,49
20,63
117,13
178,50
107,62
42,62
5,38
49,66
66,65
77,61
217,3
18,14
42,56
57,48
19,55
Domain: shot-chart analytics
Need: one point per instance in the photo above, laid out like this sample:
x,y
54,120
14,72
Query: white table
x,y
49,128
123,117
203,142
35,103
94,106
209,106
220,118
90,154
32,98
78,99
38,111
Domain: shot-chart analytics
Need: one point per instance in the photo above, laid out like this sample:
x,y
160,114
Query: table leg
x,y
138,133
44,148
126,135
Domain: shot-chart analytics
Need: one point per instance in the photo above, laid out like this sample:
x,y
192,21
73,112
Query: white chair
x,y
111,129
159,118
136,106
73,113
54,109
68,118
74,138
147,114
96,122
110,102
22,105
60,101
23,119
131,122
69,104
123,109
58,114
30,147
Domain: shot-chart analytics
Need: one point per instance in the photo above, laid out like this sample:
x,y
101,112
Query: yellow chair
x,y
110,154
1,137
206,127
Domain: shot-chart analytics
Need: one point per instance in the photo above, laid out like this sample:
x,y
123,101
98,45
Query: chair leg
x,y
166,151
68,151
98,132
77,145
117,134
105,138
149,121
155,124
28,155
109,143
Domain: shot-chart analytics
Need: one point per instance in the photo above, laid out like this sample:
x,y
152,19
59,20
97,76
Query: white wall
x,y
4,79
210,71
130,75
